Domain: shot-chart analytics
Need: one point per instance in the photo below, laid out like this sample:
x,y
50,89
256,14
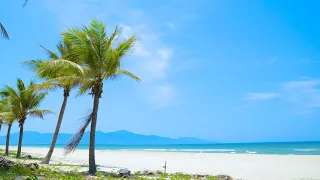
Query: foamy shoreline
x,y
245,166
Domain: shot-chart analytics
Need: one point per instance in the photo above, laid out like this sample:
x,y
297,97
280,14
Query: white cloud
x,y
154,68
261,96
157,68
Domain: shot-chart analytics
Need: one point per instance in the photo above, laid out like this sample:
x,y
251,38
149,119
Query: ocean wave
x,y
251,152
192,150
305,150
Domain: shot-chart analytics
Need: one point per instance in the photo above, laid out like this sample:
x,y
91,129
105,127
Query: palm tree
x,y
7,118
24,102
101,57
66,77
3,32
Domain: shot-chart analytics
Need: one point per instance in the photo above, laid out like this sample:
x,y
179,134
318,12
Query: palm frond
x,y
40,113
124,47
9,121
9,92
122,72
32,65
62,64
35,100
25,3
7,115
20,85
50,54
74,141
46,86
112,38
3,32
85,87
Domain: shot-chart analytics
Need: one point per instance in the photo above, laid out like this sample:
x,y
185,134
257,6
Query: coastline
x,y
244,166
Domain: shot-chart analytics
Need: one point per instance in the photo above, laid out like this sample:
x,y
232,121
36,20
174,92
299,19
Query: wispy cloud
x,y
305,92
261,96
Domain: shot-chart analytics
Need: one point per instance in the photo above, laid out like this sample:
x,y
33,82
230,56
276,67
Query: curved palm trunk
x,y
92,161
0,127
21,123
46,160
8,140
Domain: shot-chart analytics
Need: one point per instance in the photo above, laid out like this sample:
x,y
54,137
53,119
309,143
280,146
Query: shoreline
x,y
294,151
244,166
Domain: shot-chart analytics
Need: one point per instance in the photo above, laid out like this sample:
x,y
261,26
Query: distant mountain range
x,y
112,138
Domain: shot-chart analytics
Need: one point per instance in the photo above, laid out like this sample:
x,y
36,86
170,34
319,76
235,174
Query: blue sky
x,y
229,71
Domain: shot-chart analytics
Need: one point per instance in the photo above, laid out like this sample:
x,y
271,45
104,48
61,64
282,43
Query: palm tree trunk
x,y
46,160
0,127
92,161
21,123
8,140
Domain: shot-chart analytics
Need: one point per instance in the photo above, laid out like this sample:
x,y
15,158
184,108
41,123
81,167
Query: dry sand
x,y
244,166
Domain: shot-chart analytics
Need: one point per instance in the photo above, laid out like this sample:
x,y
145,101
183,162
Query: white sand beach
x,y
242,166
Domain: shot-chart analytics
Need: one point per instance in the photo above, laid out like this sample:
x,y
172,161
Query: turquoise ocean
x,y
281,148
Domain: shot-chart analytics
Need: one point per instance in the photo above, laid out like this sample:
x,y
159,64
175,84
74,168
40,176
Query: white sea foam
x,y
192,150
251,152
305,150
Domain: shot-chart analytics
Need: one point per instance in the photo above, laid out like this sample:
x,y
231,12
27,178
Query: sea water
x,y
281,148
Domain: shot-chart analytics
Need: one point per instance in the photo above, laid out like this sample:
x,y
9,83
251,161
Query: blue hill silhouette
x,y
121,137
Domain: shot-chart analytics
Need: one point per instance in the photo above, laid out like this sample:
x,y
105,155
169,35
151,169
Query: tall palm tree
x,y
101,57
3,32
24,102
66,77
